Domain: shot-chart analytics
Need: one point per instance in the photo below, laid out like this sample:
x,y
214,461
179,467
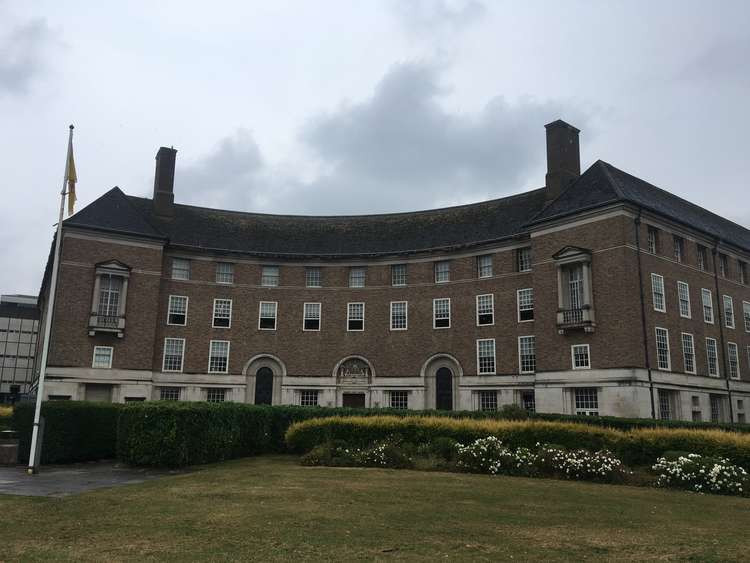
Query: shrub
x,y
388,453
644,446
73,431
443,448
694,472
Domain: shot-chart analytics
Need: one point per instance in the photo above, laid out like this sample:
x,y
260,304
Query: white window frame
x,y
685,354
573,356
213,317
222,391
520,356
229,274
652,239
434,313
684,299
585,410
701,256
310,279
402,393
728,319
275,314
169,309
354,279
406,315
396,277
707,306
492,309
188,269
679,247
300,393
518,305
520,263
715,364
442,271
746,315
164,356
494,357
111,355
305,317
349,317
657,282
732,346
269,280
210,349
484,262
669,354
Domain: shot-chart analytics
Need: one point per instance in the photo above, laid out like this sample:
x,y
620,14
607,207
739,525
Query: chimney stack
x,y
164,181
563,157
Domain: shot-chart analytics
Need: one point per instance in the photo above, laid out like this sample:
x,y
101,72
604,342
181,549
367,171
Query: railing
x,y
568,319
572,316
107,321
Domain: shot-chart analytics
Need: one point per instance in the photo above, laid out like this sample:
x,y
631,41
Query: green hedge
x,y
640,446
73,431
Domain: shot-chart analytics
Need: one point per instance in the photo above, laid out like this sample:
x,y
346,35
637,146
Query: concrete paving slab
x,y
65,480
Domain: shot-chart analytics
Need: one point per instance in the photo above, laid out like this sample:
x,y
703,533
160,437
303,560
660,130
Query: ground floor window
x,y
717,408
586,401
398,400
667,404
214,395
741,417
169,393
134,399
488,400
308,398
528,401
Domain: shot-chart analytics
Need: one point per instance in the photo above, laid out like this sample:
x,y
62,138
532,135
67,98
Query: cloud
x,y
431,16
723,61
398,150
23,55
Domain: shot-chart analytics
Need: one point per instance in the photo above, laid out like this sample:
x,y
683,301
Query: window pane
x,y
102,357
485,309
177,311
441,310
267,315
218,359
398,315
523,259
356,316
486,356
269,276
581,358
313,277
526,304
173,352
222,313
442,271
180,269
399,400
587,401
662,348
398,274
484,266
357,277
224,272
527,354
488,401
311,316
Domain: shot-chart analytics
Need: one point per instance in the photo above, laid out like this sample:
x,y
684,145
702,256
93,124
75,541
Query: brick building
x,y
598,293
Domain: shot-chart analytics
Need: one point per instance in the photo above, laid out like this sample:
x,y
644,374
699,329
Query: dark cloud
x,y
398,150
430,16
23,55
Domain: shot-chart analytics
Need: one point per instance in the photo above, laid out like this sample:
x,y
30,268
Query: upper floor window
x,y
742,272
679,248
102,357
702,257
486,356
662,349
177,310
574,292
267,315
218,356
174,352
442,271
398,274
712,357
311,314
708,306
180,269
728,312
224,272
109,298
723,265
580,356
441,313
313,277
357,277
733,360
222,313
485,309
527,354
653,240
657,292
269,276
523,259
484,266
525,299
746,315
688,352
399,315
683,293
355,317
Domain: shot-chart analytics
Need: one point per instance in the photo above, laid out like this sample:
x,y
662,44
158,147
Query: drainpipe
x,y
722,320
637,222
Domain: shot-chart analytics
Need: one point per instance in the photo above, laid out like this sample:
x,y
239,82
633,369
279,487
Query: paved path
x,y
64,480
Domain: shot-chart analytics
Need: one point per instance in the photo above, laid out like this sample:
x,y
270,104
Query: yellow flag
x,y
71,177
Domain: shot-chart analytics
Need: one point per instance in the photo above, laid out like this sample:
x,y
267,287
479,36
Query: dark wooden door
x,y
264,386
444,389
353,400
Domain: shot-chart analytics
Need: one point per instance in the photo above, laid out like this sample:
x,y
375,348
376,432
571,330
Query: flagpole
x,y
33,468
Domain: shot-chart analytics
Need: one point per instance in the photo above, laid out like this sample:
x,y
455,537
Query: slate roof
x,y
458,227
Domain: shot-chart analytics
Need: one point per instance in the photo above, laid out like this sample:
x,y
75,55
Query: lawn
x,y
271,508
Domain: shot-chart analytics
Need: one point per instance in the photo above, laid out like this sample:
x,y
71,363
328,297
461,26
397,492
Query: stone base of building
x,y
622,393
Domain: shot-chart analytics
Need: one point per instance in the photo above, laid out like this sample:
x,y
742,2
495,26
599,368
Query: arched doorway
x,y
264,386
444,389
353,378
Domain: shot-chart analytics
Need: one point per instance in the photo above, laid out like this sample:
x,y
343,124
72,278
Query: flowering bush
x,y
489,455
702,474
387,453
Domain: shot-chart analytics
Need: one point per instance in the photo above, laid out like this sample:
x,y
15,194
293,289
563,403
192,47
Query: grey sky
x,y
356,107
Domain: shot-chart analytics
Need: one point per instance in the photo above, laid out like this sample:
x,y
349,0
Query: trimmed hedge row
x,y
73,431
634,447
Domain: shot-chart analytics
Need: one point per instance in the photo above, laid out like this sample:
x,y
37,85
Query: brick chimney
x,y
563,157
164,181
